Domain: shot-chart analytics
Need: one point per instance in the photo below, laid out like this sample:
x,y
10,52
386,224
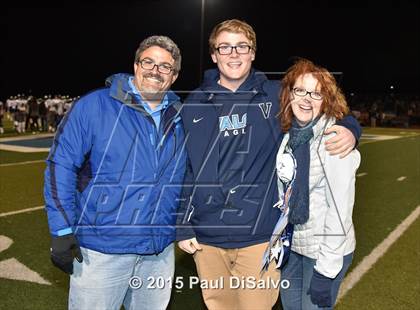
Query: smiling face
x,y
234,68
305,108
151,83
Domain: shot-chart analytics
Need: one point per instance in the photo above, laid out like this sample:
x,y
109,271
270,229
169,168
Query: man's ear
x,y
174,77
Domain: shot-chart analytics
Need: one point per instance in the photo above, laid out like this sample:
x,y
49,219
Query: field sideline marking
x,y
367,139
368,261
27,137
23,149
22,163
21,211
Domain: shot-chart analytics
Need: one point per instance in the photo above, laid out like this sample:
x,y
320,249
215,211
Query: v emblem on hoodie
x,y
265,108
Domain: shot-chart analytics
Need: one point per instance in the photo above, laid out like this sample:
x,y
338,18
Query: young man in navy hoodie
x,y
232,138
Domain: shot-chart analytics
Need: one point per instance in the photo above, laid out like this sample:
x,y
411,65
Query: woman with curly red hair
x,y
316,188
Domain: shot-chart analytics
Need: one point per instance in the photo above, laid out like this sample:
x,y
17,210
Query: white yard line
x,y
23,149
27,137
361,174
21,211
13,269
370,138
379,137
23,163
401,178
364,266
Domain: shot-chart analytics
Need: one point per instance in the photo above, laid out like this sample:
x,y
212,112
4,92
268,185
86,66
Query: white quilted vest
x,y
328,235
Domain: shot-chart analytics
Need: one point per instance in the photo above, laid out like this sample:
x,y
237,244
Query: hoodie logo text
x,y
232,125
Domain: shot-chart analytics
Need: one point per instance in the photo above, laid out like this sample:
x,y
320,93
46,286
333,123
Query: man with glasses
x,y
112,185
232,138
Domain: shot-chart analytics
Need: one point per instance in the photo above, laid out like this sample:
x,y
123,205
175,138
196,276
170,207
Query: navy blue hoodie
x,y
232,140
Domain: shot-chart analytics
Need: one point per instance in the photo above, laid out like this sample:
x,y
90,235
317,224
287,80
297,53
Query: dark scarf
x,y
299,138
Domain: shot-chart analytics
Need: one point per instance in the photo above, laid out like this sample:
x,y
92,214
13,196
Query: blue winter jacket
x,y
112,177
232,139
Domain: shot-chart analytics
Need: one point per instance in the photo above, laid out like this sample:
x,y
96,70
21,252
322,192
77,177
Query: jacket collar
x,y
120,90
212,76
253,83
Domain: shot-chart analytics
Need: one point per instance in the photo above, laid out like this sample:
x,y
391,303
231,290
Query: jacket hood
x,y
254,81
121,90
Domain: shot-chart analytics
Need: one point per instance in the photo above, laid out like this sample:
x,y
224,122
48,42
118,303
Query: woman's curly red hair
x,y
333,104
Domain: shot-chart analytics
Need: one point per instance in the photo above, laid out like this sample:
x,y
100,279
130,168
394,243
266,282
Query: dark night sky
x,y
71,48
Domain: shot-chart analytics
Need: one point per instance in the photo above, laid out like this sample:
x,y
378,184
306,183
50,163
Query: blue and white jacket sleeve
x,y
184,229
71,144
351,123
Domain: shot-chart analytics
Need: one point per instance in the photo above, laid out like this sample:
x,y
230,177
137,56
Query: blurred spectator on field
x,y
43,114
33,113
20,115
51,117
59,102
373,114
386,110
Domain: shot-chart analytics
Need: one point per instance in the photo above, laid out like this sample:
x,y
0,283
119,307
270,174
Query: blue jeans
x,y
106,281
298,272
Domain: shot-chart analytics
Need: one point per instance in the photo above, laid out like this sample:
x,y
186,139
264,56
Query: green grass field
x,y
383,200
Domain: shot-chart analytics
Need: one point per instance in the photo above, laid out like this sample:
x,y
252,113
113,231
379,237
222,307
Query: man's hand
x,y
63,250
343,143
189,246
